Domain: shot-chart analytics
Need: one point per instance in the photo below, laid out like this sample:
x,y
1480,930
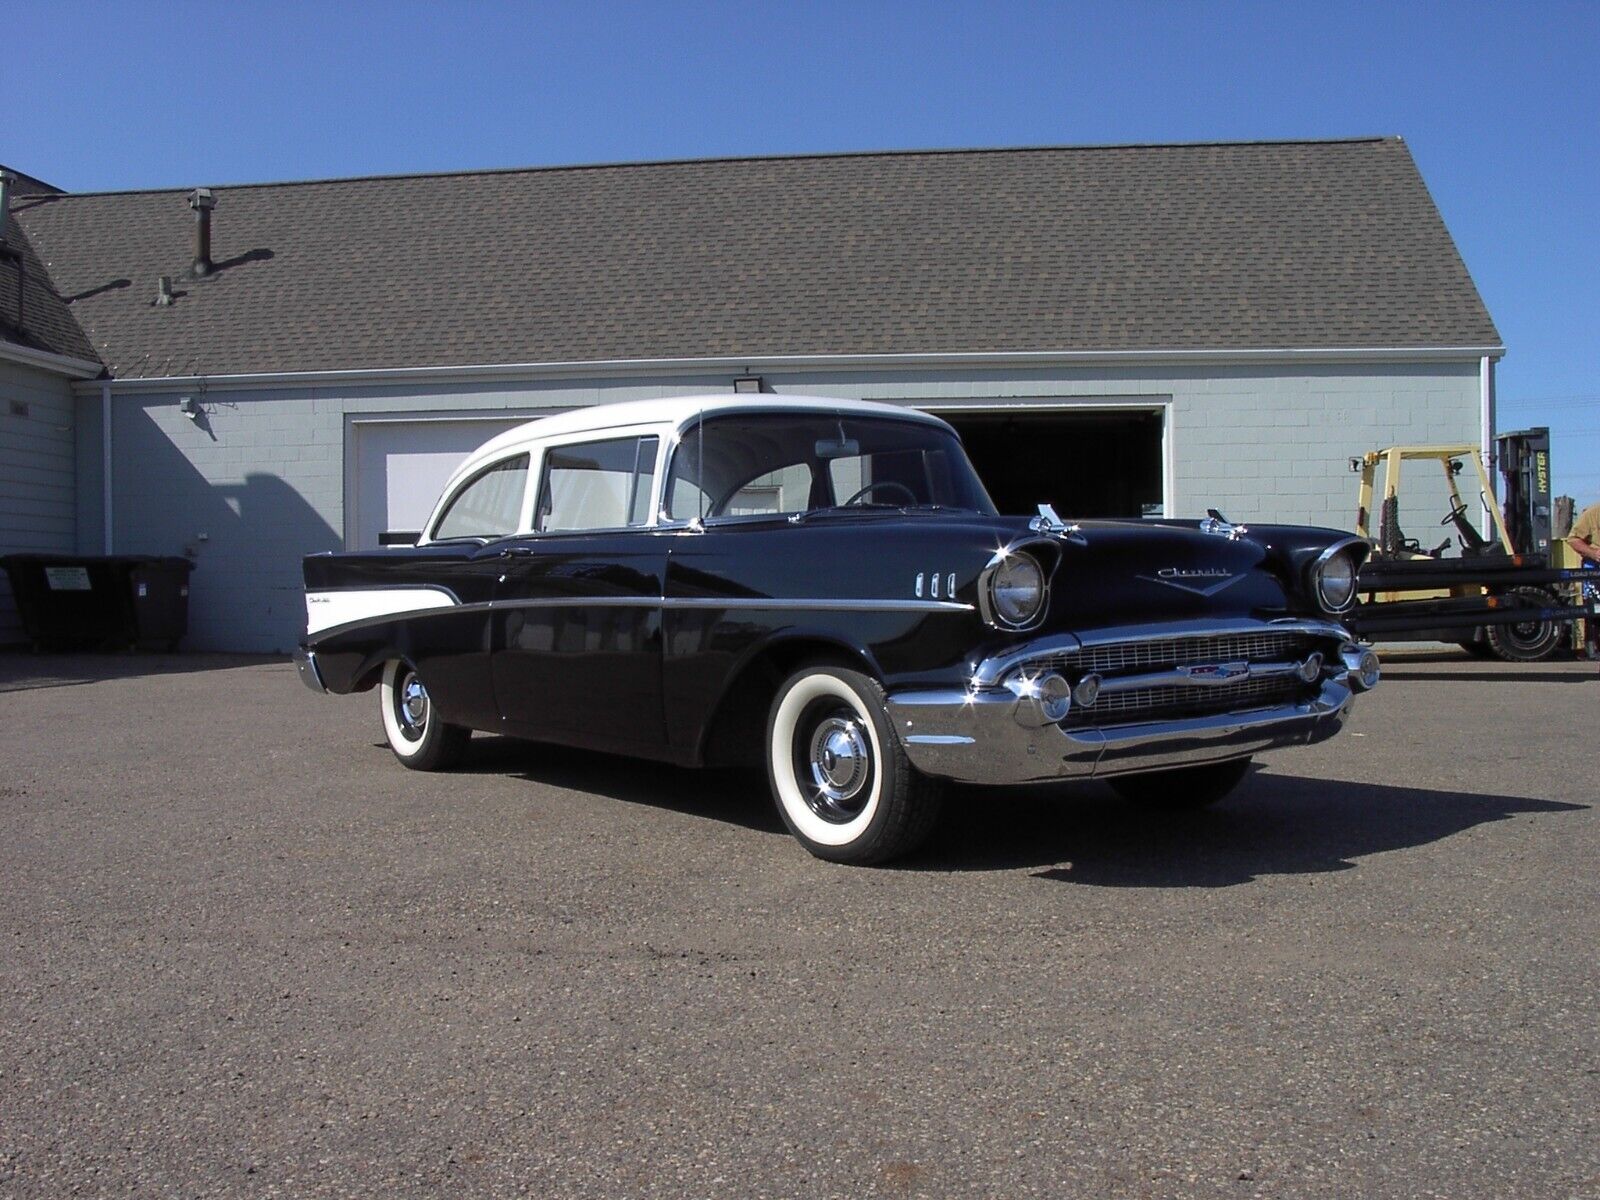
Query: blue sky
x,y
1499,103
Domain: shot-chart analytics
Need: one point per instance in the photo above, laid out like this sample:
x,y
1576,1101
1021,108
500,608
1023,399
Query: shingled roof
x,y
32,314
1114,248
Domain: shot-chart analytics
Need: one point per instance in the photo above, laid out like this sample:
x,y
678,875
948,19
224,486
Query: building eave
x,y
756,364
45,360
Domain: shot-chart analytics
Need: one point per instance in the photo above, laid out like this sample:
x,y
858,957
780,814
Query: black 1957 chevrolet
x,y
825,587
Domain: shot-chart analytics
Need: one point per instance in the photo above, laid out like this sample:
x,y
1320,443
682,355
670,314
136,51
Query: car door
x,y
577,608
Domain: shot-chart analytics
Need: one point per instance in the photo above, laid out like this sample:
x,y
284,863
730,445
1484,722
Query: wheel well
x,y
736,734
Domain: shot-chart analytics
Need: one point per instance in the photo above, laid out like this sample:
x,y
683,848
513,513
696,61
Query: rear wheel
x,y
415,733
1526,641
842,784
1182,788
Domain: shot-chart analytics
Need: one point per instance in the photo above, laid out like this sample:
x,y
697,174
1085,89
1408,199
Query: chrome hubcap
x,y
840,762
412,707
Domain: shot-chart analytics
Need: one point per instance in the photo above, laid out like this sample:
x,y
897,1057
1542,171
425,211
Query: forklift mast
x,y
1525,466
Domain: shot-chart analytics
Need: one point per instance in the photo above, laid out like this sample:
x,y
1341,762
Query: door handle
x,y
517,552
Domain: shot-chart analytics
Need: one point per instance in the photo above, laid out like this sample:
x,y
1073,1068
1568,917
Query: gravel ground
x,y
247,954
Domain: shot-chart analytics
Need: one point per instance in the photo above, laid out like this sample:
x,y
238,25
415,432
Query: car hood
x,y
1103,573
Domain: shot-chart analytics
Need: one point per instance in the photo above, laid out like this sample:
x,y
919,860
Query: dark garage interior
x,y
1097,464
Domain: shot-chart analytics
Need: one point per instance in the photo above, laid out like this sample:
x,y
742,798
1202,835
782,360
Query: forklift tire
x,y
1527,641
1478,649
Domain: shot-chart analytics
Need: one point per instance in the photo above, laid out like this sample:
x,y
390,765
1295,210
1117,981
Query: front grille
x,y
1153,704
1265,646
1186,700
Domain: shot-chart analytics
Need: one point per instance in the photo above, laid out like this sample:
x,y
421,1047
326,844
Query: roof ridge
x,y
802,156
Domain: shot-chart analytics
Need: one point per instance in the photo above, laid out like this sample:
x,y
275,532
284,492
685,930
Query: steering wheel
x,y
911,497
1460,510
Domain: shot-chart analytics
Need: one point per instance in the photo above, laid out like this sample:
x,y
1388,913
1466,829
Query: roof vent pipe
x,y
202,201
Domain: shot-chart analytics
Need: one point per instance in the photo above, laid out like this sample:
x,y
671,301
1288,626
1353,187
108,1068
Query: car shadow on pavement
x,y
737,797
1275,824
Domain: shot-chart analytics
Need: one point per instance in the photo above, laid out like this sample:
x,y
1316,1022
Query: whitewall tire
x,y
841,782
412,727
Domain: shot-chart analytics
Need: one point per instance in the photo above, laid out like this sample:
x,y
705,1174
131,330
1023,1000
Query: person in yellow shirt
x,y
1585,543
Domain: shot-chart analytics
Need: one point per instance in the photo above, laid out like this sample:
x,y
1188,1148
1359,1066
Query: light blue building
x,y
246,374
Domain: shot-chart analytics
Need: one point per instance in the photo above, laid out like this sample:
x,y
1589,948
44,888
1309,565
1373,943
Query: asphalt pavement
x,y
247,954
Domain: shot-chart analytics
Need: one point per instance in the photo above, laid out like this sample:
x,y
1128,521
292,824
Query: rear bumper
x,y
988,736
305,662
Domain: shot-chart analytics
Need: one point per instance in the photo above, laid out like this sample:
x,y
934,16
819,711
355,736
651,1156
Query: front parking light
x,y
1361,666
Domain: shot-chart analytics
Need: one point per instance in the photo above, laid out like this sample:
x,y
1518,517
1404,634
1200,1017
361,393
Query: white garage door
x,y
398,466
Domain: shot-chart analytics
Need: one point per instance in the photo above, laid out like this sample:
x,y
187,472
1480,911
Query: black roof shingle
x,y
1115,248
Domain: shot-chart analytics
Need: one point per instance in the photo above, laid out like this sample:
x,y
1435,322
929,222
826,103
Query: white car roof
x,y
675,412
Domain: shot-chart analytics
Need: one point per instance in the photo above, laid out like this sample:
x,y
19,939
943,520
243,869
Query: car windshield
x,y
763,464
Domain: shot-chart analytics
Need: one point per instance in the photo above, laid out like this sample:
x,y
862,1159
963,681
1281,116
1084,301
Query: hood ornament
x,y
1218,526
1051,525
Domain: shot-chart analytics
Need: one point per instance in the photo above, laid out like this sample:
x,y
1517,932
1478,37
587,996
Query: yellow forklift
x,y
1513,595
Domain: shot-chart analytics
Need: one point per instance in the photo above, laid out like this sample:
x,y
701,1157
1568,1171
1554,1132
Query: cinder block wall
x,y
259,480
38,509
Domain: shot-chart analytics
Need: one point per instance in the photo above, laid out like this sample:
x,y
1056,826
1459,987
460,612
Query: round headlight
x,y
1336,582
1016,590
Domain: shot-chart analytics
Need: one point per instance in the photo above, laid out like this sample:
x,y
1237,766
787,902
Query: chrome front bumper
x,y
305,662
978,737
994,730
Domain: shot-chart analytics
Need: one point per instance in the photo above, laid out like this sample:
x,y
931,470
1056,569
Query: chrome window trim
x,y
456,487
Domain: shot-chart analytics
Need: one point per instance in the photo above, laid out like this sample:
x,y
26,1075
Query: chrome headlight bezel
x,y
1001,571
1340,557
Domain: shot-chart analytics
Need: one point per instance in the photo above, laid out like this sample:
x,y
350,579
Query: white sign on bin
x,y
67,579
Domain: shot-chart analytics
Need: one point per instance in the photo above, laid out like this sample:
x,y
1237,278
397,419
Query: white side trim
x,y
324,610
755,364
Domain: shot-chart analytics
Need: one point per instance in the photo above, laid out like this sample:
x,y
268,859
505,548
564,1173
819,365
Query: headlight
x,y
1336,582
1016,591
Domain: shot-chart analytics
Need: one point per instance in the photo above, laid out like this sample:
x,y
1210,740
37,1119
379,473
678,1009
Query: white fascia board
x,y
45,360
613,368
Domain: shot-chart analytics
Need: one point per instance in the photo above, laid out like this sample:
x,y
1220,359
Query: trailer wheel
x,y
1526,641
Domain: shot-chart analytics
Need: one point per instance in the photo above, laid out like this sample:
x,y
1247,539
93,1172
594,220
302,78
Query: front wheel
x,y
1182,788
842,784
415,733
1533,640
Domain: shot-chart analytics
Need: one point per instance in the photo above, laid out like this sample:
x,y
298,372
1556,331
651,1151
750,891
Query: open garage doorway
x,y
1097,463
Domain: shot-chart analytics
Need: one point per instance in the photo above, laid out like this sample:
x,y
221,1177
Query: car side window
x,y
489,505
597,485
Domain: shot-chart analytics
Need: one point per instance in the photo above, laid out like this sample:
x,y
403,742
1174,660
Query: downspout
x,y
1486,421
105,464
